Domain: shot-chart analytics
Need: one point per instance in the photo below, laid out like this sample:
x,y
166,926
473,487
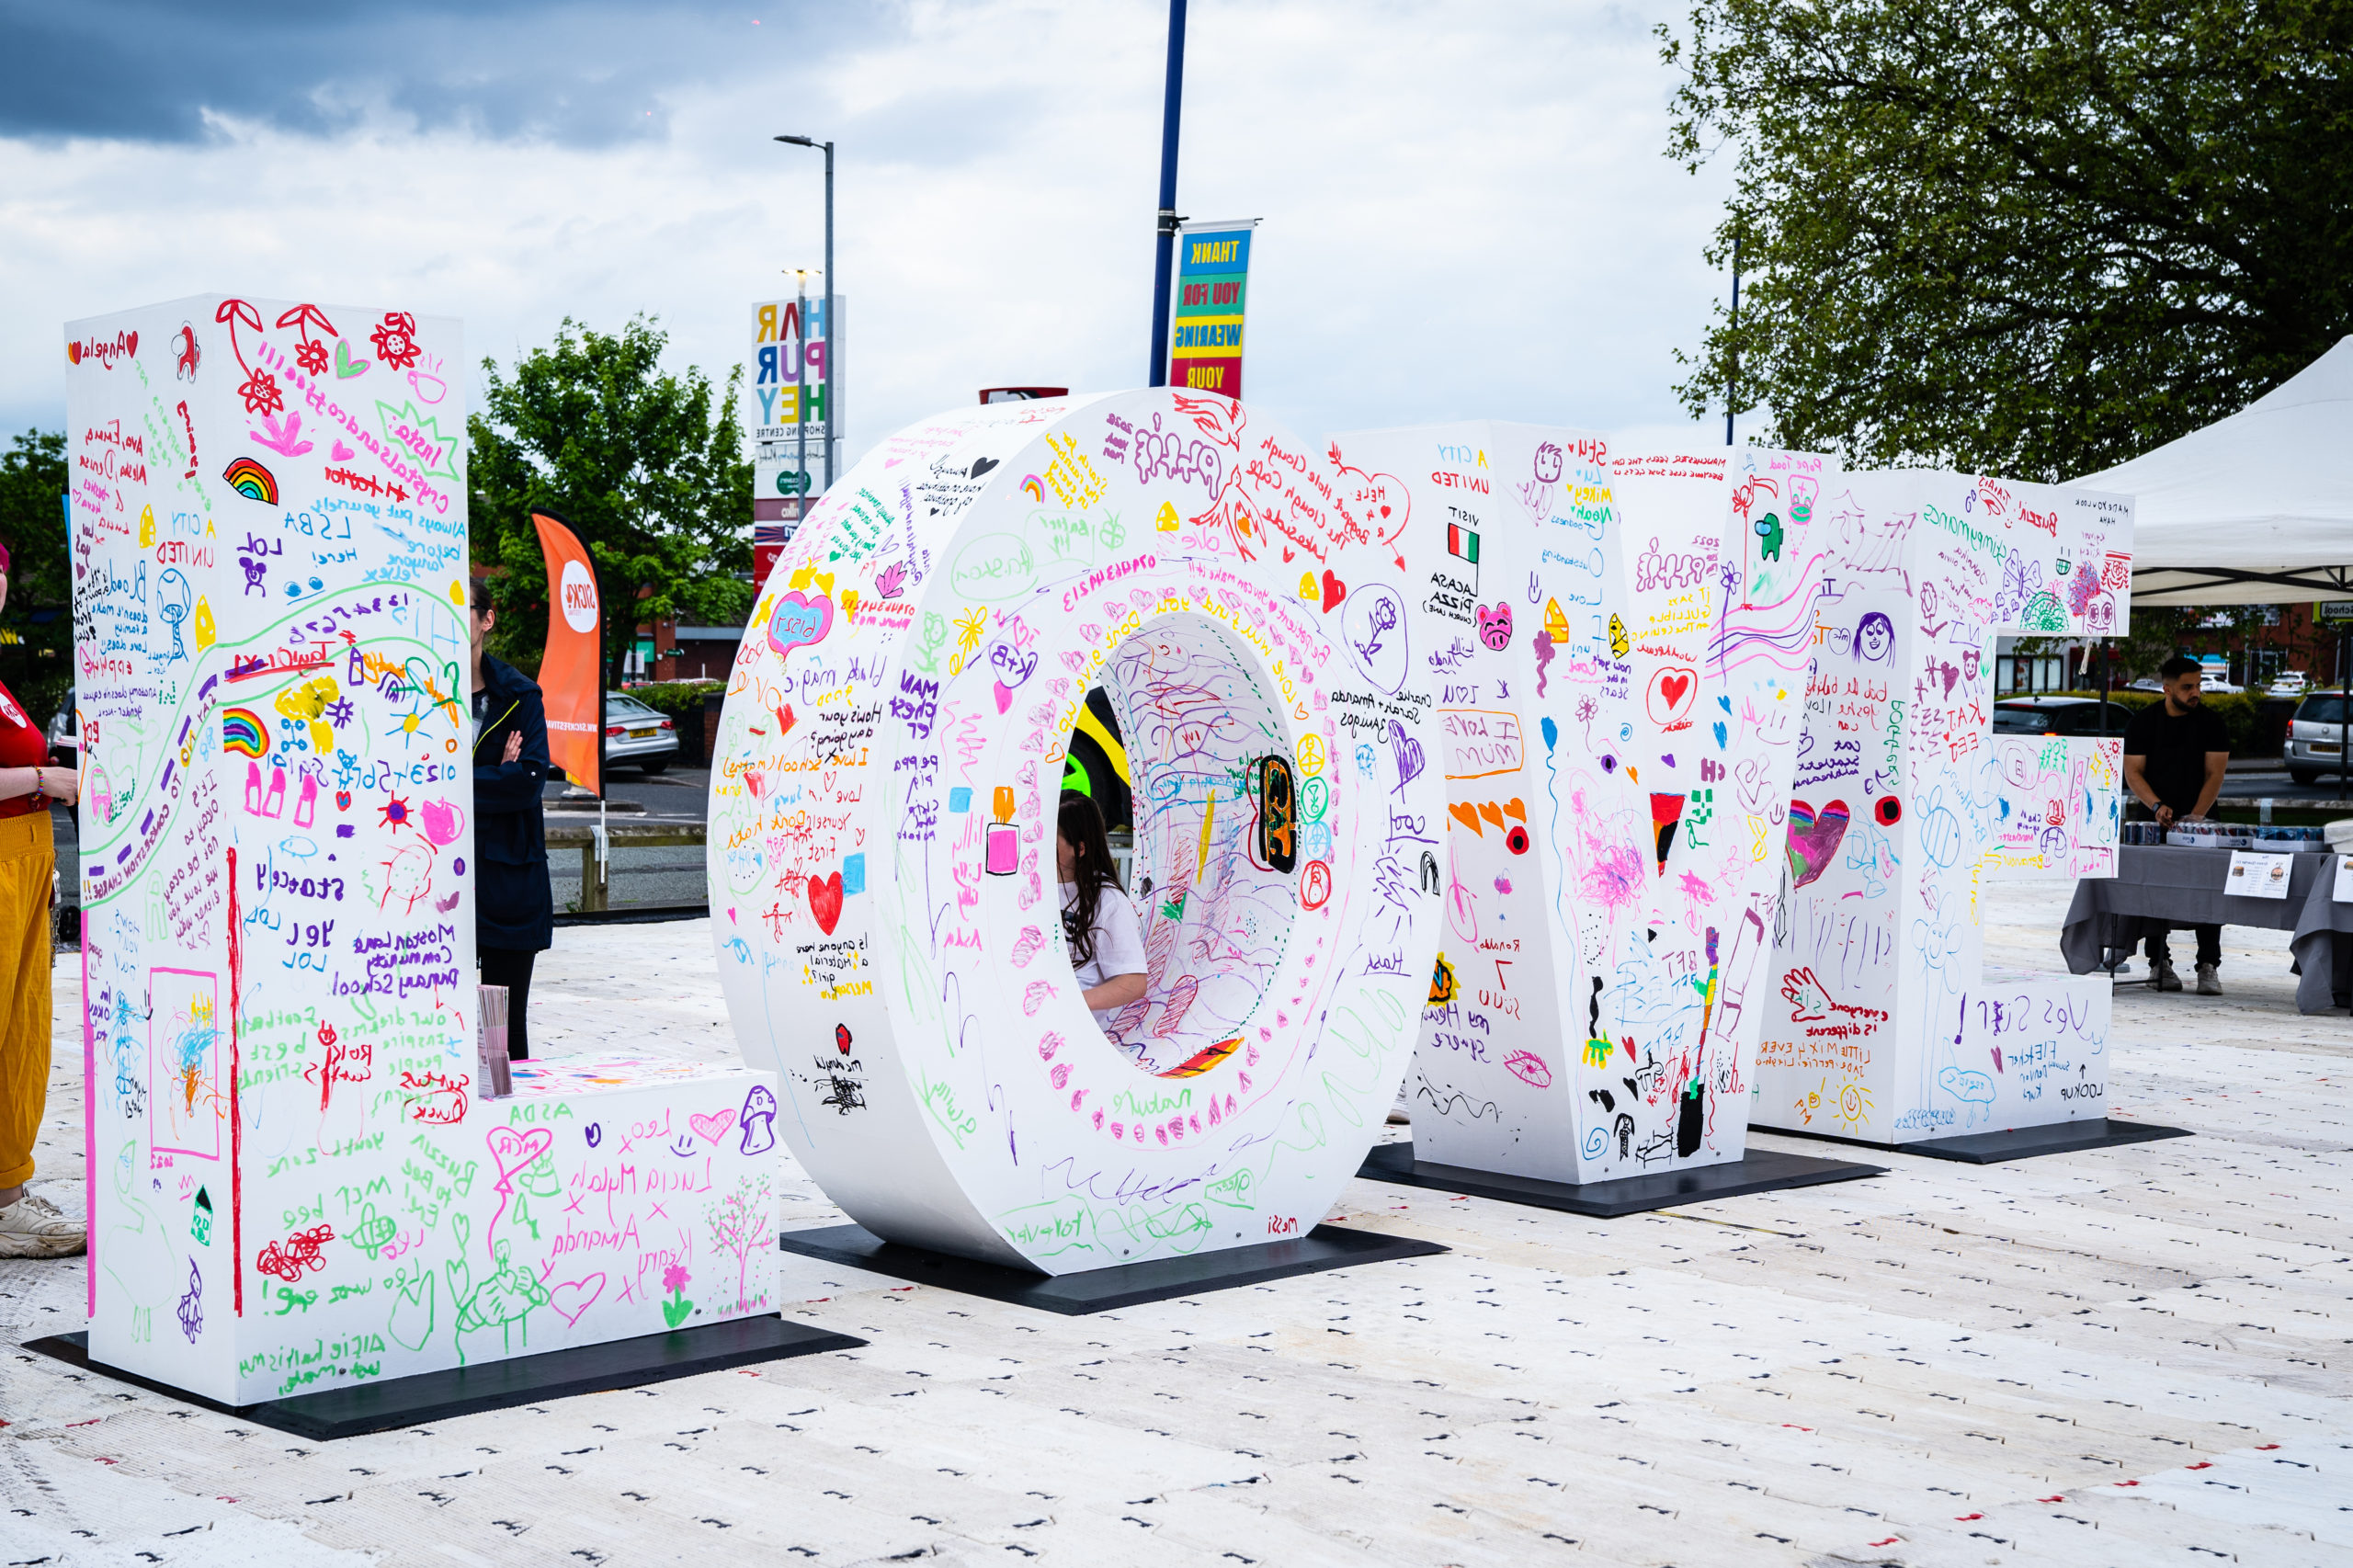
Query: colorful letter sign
x,y
882,840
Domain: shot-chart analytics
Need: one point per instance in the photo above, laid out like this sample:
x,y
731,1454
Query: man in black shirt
x,y
2174,754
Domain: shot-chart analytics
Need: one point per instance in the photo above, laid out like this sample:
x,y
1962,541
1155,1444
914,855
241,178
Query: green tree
x,y
37,626
644,465
2031,237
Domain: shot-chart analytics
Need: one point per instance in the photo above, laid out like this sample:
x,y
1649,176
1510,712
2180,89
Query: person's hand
x,y
514,751
60,784
2165,815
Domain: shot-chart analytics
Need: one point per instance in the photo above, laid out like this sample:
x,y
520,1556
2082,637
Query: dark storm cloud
x,y
579,74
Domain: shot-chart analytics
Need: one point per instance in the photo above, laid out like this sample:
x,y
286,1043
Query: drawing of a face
x,y
1875,637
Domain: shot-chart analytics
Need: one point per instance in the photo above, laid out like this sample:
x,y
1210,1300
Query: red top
x,y
22,744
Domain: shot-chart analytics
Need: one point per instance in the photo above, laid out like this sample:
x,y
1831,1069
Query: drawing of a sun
x,y
395,812
1854,1106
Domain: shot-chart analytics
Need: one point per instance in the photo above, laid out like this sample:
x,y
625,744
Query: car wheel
x,y
2303,775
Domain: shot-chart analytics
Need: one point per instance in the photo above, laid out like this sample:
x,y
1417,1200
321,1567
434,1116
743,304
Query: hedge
x,y
676,696
2239,711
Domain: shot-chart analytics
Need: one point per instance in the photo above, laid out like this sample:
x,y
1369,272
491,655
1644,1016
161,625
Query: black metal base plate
x,y
1763,1171
497,1385
1107,1289
2016,1144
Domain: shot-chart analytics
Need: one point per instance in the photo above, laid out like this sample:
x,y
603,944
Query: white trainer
x,y
32,1227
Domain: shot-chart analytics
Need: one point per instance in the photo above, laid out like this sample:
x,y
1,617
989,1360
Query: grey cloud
x,y
582,74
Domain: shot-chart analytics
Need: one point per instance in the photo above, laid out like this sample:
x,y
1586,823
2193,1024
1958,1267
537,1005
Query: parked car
x,y
2215,681
638,736
2289,683
2057,716
2146,683
2315,737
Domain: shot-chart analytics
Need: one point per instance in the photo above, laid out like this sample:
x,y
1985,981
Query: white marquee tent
x,y
2256,508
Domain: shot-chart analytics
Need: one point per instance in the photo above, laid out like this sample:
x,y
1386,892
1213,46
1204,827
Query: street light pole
x,y
833,337
800,396
1164,247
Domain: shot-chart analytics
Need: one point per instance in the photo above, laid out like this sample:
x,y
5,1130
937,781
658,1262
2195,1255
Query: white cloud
x,y
1466,211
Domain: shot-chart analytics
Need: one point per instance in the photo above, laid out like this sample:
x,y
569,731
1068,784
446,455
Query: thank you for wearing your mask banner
x,y
1213,286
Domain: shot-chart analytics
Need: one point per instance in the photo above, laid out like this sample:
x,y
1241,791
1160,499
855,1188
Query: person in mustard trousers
x,y
30,1226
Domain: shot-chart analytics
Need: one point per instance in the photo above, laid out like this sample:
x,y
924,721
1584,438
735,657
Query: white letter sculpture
x,y
1883,1026
295,1185
1621,696
882,849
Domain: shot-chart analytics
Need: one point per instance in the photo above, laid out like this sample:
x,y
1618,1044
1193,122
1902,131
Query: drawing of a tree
x,y
743,1222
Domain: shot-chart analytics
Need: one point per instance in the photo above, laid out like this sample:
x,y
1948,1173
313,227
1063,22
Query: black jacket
x,y
513,906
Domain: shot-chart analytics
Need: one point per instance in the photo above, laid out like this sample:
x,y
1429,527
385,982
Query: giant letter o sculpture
x,y
882,865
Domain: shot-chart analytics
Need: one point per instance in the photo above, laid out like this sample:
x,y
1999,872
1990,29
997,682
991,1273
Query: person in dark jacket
x,y
513,906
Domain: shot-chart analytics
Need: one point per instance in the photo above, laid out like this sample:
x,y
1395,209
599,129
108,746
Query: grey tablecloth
x,y
2184,887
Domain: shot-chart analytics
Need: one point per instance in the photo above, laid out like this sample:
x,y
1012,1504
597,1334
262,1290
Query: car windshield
x,y
2328,709
2021,721
620,706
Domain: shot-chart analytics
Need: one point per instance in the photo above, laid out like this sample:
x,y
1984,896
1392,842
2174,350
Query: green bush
x,y
2237,711
676,696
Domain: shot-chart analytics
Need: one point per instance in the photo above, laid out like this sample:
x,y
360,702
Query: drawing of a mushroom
x,y
758,1120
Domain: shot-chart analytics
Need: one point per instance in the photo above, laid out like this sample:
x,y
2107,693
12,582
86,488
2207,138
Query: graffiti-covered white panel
x,y
1621,698
2058,807
882,858
1907,804
295,1185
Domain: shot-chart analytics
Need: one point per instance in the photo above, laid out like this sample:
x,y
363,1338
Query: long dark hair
x,y
1092,870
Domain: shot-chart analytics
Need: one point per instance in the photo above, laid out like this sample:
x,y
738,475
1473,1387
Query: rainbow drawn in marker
x,y
1035,488
252,480
242,732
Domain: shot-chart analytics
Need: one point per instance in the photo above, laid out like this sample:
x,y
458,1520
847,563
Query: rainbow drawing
x,y
252,480
242,732
1035,488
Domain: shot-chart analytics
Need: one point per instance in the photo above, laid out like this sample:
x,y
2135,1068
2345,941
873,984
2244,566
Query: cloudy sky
x,y
1466,208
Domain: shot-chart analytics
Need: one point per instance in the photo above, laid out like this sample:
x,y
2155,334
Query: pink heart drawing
x,y
443,821
575,1297
1814,837
510,1150
1004,696
712,1127
342,453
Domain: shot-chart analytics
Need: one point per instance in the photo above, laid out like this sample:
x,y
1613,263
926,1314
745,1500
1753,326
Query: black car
x,y
2058,716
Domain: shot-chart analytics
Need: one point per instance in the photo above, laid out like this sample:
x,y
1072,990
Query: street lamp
x,y
833,339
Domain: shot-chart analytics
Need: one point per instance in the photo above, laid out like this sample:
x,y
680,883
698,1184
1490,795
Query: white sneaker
x,y
2209,984
32,1227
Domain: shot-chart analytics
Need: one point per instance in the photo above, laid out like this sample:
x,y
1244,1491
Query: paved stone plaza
x,y
2135,1356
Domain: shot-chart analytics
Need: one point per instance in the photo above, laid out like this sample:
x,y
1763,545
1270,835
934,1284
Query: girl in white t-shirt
x,y
1106,943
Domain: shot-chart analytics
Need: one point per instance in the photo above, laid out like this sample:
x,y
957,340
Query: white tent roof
x,y
2256,508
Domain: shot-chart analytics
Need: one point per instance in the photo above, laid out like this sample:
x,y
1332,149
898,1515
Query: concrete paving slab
x,y
2135,1354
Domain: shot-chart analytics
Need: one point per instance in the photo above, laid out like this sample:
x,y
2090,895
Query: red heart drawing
x,y
1673,687
130,343
72,353
826,902
1334,590
785,720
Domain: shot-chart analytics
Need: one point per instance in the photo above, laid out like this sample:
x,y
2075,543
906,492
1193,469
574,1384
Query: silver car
x,y
2315,737
638,736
